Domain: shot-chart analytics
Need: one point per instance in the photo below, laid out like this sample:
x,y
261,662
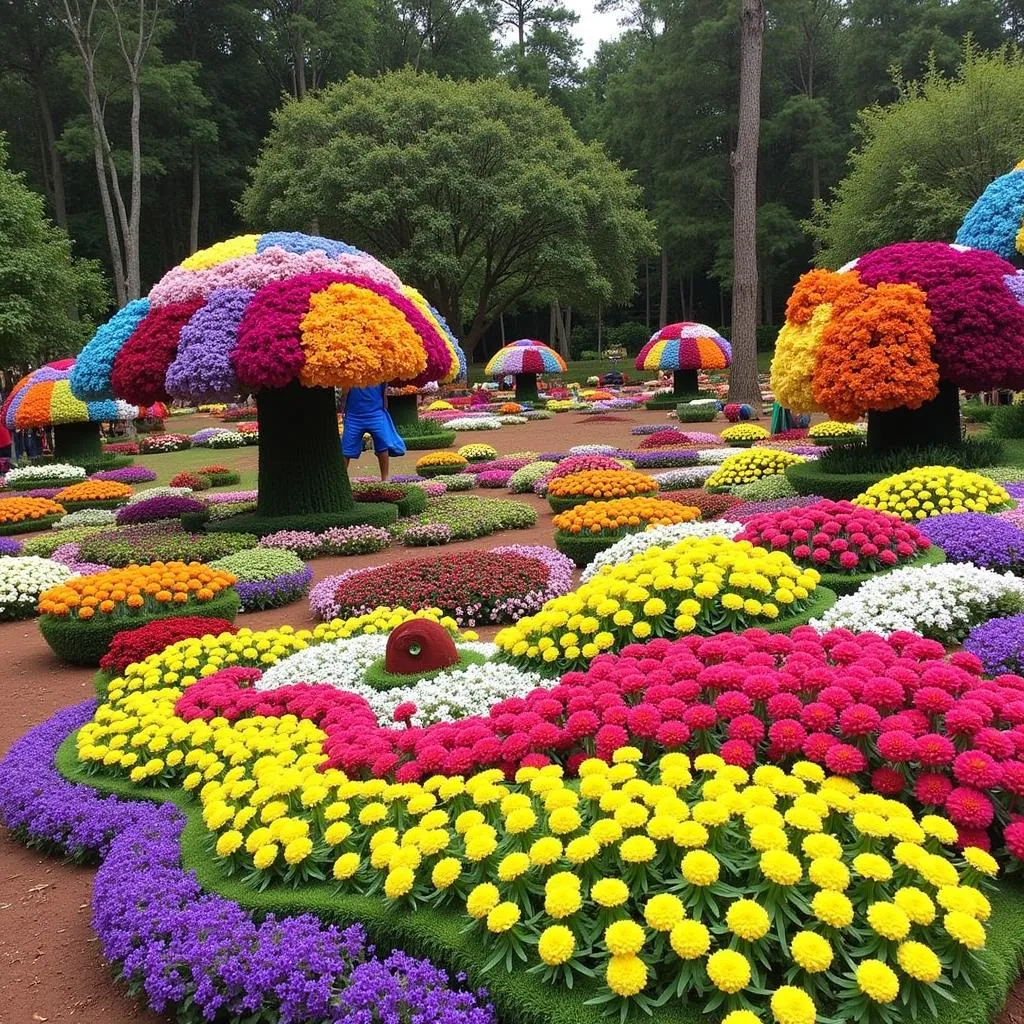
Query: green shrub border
x,y
381,679
424,442
583,548
41,483
520,997
29,525
808,479
84,643
430,471
365,513
77,506
844,584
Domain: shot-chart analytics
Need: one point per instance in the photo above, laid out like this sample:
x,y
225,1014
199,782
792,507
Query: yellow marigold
x,y
832,908
728,970
700,868
981,861
346,866
626,975
545,850
748,920
967,930
513,865
811,952
927,491
502,918
888,920
791,1005
482,900
741,1017
445,872
399,882
637,850
916,904
920,962
609,892
556,945
827,873
561,900
663,912
937,871
781,867
752,464
622,937
877,981
871,865
690,939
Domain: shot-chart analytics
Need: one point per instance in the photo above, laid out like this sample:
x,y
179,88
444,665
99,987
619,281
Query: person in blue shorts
x,y
366,412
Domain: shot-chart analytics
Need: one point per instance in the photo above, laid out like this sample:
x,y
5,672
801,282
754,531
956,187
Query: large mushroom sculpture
x,y
287,317
895,334
683,349
524,360
43,398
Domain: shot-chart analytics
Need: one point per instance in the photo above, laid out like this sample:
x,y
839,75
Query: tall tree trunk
x,y
683,315
193,226
663,297
300,69
113,239
55,167
647,294
133,277
743,386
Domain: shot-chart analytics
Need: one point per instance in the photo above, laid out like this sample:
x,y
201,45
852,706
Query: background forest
x,y
153,127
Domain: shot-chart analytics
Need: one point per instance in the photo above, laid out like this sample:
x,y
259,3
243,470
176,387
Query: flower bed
x,y
478,452
157,444
441,464
768,488
941,602
474,587
567,490
683,477
584,530
985,540
24,515
409,498
101,494
9,546
711,506
669,438
22,580
159,542
121,448
135,645
46,474
469,516
522,480
265,578
747,466
191,481
742,435
494,478
999,645
224,439
833,432
474,423
126,475
340,540
161,507
80,618
934,491
846,544
661,458
734,586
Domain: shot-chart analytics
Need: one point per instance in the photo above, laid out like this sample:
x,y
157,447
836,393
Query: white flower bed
x,y
714,456
159,492
660,536
23,579
225,439
942,602
86,517
473,423
593,449
48,471
687,476
451,695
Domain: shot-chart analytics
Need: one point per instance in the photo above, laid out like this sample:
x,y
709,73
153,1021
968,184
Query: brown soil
x,y
50,964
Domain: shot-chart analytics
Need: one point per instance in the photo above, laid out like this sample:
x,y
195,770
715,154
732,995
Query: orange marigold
x,y
602,483
19,510
94,490
623,514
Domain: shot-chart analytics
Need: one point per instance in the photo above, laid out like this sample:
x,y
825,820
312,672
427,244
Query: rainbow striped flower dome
x,y
43,398
525,356
685,346
996,221
261,311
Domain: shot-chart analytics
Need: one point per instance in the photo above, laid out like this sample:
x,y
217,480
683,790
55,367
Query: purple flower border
x,y
173,943
260,595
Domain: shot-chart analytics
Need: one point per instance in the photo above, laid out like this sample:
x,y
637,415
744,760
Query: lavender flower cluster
x,y
152,510
9,546
987,541
999,644
427,535
339,540
126,475
178,945
256,595
748,509
200,437
659,458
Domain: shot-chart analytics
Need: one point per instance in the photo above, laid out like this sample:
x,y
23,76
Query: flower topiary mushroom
x,y
524,359
44,398
896,334
288,317
996,221
683,349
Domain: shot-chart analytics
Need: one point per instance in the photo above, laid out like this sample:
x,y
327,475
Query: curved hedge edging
x,y
424,442
28,525
84,643
518,997
808,479
823,599
381,679
584,548
101,503
364,513
844,584
562,503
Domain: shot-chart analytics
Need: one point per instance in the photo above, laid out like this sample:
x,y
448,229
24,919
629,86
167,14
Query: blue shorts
x,y
385,437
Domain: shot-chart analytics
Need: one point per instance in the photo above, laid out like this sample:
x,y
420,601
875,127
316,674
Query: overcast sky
x,y
591,27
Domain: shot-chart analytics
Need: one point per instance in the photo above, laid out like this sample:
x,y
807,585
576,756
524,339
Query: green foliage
x,y
481,194
27,526
1008,421
380,678
978,412
141,545
469,516
364,512
51,298
810,478
631,336
924,159
704,413
768,488
425,435
972,453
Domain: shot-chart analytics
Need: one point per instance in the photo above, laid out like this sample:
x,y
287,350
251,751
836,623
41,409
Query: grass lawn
x,y
241,460
580,369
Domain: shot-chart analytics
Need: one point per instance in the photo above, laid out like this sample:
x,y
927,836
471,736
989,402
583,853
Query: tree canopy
x,y
924,159
49,299
481,194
